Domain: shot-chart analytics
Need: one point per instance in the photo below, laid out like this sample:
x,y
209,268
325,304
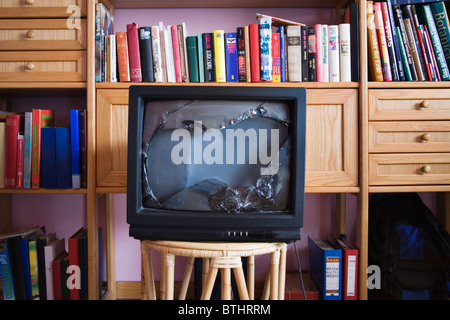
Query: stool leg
x,y
282,275
209,283
226,283
169,261
266,291
240,281
251,277
186,278
205,270
148,279
274,271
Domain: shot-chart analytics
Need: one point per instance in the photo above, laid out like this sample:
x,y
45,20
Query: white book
x,y
333,49
294,53
168,46
182,35
112,59
156,52
2,154
51,252
325,57
345,53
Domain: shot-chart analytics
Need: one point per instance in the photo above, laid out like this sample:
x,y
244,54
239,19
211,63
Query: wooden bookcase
x,y
344,120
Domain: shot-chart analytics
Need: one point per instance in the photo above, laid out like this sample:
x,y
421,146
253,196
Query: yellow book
x,y
32,253
219,55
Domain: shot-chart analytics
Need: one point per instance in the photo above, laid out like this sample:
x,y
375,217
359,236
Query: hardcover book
x,y
145,47
208,57
48,160
265,40
319,52
333,49
134,53
442,23
27,134
312,55
11,142
122,57
219,55
41,118
294,53
375,67
242,70
231,57
381,36
156,54
255,58
19,168
75,148
176,54
345,53
398,17
276,57
63,158
201,63
192,54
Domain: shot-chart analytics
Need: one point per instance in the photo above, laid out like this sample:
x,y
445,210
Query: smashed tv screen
x,y
229,156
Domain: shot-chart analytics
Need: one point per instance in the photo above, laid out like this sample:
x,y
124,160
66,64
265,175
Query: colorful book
x,y
381,36
276,57
75,148
442,23
201,64
265,42
6,272
255,57
192,54
389,41
333,49
19,168
48,159
312,72
28,138
34,271
345,52
388,14
156,54
398,17
176,54
123,63
231,57
413,43
294,53
326,54
63,158
133,52
350,260
219,55
208,57
41,118
319,52
242,70
282,33
375,67
145,47
11,134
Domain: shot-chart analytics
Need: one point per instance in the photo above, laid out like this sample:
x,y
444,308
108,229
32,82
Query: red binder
x,y
350,269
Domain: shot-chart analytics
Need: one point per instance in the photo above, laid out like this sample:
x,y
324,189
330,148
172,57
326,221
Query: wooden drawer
x,y
409,104
41,8
42,66
409,169
409,136
41,34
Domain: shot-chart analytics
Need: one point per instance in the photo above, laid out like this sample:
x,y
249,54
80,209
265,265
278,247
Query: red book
x,y
74,260
122,56
254,52
176,54
350,269
56,276
19,169
11,134
41,118
276,57
133,52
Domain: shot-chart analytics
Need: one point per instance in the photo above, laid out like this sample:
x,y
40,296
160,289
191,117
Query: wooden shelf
x,y
409,85
43,191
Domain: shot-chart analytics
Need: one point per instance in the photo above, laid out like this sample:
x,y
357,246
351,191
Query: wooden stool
x,y
215,255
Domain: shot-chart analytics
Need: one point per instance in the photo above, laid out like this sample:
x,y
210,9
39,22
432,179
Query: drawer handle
x,y
30,2
426,169
425,104
426,137
30,66
30,34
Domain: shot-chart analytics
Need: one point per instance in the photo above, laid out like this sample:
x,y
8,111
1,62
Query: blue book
x,y
201,66
282,53
63,158
325,262
6,272
265,46
27,138
26,266
75,147
48,157
231,57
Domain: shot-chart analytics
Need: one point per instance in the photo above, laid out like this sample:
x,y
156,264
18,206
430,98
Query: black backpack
x,y
409,246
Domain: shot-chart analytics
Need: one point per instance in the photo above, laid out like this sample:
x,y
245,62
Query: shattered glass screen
x,y
227,156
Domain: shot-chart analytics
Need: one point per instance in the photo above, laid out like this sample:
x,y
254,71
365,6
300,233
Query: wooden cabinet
x,y
41,8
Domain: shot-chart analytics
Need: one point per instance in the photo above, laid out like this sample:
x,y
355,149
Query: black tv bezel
x,y
157,224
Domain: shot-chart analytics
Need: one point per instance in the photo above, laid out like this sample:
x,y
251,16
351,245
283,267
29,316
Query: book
x,y
255,58
406,68
248,70
63,158
231,57
381,36
208,57
41,242
201,63
354,40
74,261
6,272
134,52
294,53
283,68
430,54
304,44
242,68
52,250
319,52
219,55
75,148
265,42
326,268
398,17
420,42
395,39
156,53
83,147
41,118
167,59
34,275
192,54
58,271
48,159
20,154
2,153
13,127
413,43
277,22
350,259
145,47
374,61
276,57
442,24
334,53
176,53
123,64
111,56
404,2
390,41
182,36
27,134
312,72
345,54
326,54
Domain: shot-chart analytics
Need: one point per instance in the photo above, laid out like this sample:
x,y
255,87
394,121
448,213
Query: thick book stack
x,y
38,266
270,50
408,40
34,153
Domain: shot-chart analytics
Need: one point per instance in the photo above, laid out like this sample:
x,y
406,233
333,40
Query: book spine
x,y
231,57
265,41
395,41
2,154
192,54
430,54
176,54
326,53
305,57
255,57
6,272
113,58
375,67
83,148
107,75
56,277
41,118
390,41
319,52
345,53
182,35
27,130
11,134
75,148
122,57
133,52
167,57
294,53
208,51
241,54
63,158
281,32
276,57
48,160
20,153
156,54
145,47
312,72
248,71
442,25
333,49
381,36
201,64
219,55
403,56
355,41
32,253
398,16
409,27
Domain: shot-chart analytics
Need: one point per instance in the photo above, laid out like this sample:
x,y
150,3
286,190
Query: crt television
x,y
216,163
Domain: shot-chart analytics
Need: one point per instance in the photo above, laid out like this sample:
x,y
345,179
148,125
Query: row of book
x,y
36,154
408,42
334,268
35,265
272,50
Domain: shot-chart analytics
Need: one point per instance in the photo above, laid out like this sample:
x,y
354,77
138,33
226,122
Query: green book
x,y
192,53
442,26
403,55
